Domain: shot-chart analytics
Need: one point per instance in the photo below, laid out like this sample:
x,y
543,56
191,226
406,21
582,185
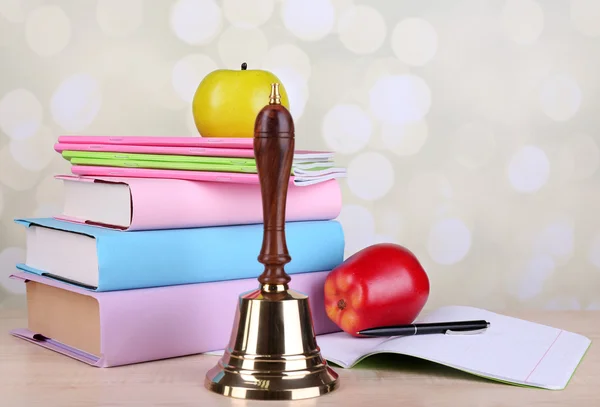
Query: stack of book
x,y
145,267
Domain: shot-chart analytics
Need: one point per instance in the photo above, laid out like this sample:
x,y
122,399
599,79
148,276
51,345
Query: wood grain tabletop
x,y
33,376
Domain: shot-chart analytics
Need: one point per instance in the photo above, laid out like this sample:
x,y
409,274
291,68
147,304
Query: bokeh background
x,y
469,127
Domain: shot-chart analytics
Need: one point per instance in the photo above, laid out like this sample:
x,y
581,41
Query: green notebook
x,y
70,155
191,163
164,165
511,350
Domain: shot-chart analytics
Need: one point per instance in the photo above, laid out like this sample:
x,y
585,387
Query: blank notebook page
x,y
511,350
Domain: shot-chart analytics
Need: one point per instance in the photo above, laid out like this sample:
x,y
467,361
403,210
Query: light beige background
x,y
469,128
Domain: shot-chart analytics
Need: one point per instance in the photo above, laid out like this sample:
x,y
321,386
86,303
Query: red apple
x,y
380,285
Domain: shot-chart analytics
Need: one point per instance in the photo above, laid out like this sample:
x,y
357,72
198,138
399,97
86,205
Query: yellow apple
x,y
227,101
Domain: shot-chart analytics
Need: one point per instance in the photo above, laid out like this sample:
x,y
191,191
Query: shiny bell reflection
x,y
273,353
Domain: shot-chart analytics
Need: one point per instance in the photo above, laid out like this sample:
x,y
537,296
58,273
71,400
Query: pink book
x,y
161,203
158,323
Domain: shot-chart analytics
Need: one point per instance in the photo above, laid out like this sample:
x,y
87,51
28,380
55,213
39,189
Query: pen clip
x,y
465,332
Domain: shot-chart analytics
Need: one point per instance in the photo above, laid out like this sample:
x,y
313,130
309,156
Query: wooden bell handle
x,y
274,152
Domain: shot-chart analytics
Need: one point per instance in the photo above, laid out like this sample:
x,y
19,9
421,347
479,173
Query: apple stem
x,y
341,304
244,66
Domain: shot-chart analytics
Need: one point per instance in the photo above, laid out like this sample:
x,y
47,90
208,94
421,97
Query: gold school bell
x,y
273,352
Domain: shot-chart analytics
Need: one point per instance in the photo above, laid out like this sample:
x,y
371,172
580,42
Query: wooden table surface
x,y
32,376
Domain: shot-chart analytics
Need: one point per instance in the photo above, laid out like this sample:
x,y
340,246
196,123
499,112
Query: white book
x,y
511,350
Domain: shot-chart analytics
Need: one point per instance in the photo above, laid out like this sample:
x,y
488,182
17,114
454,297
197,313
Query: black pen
x,y
458,328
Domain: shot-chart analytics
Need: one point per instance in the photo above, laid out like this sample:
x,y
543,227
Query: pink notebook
x,y
137,149
224,142
160,203
206,176
186,319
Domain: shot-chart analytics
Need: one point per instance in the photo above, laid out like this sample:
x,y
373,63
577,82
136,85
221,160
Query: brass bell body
x,y
273,354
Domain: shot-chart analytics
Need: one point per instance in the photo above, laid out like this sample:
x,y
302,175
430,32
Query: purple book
x,y
163,322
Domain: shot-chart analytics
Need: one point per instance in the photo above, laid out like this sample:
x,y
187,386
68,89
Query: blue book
x,y
102,259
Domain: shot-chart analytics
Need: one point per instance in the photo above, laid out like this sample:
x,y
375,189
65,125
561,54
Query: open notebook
x,y
511,350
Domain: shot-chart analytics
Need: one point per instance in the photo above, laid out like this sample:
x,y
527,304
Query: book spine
x,y
185,320
172,204
131,260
